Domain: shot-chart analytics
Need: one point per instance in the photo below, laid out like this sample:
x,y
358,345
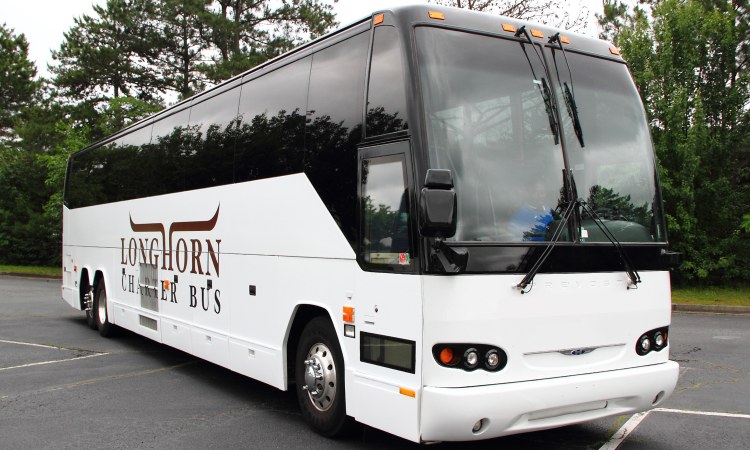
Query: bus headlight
x,y
470,357
653,340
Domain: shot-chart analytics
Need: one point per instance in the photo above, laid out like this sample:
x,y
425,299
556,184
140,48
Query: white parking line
x,y
31,344
619,436
52,362
704,413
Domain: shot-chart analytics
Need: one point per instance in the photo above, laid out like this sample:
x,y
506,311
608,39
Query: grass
x,y
32,270
712,296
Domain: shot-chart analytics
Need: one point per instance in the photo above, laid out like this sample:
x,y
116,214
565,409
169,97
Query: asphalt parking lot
x,y
64,386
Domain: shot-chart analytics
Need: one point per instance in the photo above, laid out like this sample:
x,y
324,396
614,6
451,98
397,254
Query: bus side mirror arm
x,y
438,218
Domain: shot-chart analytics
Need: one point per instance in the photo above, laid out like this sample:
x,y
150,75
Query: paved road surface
x,y
63,386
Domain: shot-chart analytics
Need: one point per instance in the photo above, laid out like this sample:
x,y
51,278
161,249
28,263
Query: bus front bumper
x,y
453,414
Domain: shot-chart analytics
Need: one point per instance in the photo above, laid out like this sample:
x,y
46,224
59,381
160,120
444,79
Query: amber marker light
x,y
564,40
407,392
166,285
378,19
446,356
537,34
436,15
348,314
614,51
509,28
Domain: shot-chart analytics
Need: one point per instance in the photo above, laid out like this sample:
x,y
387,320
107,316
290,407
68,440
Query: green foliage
x,y
689,60
17,85
110,54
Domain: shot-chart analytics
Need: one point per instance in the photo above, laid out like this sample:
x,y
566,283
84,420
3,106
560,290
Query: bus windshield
x,y
487,116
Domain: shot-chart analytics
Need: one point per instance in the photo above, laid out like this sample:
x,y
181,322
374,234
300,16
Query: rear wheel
x,y
319,375
88,302
100,310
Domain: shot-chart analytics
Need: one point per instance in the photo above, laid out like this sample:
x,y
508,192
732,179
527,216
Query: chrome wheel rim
x,y
320,377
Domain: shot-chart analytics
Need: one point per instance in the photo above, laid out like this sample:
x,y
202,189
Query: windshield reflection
x,y
488,124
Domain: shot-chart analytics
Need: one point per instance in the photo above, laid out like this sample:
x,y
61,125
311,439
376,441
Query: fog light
x,y
658,340
471,359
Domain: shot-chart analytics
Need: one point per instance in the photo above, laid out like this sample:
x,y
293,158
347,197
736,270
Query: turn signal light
x,y
348,314
446,356
436,15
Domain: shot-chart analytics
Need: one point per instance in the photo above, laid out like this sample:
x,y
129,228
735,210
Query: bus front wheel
x,y
319,376
100,310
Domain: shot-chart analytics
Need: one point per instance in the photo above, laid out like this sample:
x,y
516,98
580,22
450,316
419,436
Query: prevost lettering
x,y
181,253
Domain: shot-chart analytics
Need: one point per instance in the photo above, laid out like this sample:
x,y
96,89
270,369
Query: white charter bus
x,y
443,224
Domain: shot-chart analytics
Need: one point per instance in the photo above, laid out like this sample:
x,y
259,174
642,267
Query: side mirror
x,y
437,205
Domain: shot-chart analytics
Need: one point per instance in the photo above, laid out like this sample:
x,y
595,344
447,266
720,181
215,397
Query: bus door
x,y
387,296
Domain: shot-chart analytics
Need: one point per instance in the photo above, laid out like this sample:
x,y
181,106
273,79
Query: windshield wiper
x,y
542,85
624,258
568,92
555,238
635,278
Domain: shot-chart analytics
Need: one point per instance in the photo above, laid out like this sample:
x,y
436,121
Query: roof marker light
x,y
564,40
614,51
536,33
436,15
378,19
509,28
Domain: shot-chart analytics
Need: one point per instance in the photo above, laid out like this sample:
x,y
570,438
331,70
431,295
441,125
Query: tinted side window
x,y
87,177
334,127
130,166
386,98
385,201
209,141
170,139
271,130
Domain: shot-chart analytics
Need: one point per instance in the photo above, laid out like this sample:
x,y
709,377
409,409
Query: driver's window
x,y
385,204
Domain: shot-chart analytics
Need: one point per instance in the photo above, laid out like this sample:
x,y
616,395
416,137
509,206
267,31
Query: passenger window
x,y
385,204
386,99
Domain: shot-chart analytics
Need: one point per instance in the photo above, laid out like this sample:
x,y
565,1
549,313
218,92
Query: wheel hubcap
x,y
320,377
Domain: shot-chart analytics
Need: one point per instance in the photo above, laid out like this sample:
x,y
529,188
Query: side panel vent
x,y
148,283
148,322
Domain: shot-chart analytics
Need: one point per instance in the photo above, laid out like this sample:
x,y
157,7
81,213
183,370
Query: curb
x,y
716,309
31,275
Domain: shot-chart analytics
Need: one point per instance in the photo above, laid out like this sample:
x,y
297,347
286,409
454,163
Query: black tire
x,y
100,310
324,410
86,289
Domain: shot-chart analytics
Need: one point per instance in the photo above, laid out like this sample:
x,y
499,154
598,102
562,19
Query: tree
x,y
248,32
184,33
17,84
689,62
545,11
111,54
